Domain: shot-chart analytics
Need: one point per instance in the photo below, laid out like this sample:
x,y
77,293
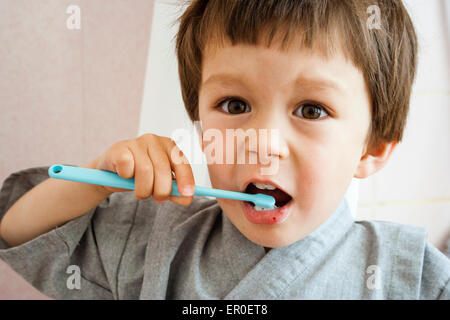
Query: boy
x,y
337,93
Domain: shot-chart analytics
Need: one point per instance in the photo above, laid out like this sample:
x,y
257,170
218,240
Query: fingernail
x,y
188,190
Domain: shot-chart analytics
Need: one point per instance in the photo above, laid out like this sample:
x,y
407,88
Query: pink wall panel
x,y
66,95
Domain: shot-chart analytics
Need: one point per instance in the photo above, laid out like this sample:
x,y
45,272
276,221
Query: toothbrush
x,y
111,179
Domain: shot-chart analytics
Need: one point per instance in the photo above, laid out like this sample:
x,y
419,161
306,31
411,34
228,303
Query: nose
x,y
273,128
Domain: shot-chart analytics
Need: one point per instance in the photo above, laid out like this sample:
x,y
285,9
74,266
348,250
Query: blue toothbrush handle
x,y
92,176
258,199
218,193
107,178
111,179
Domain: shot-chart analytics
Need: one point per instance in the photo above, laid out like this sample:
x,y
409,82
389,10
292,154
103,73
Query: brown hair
x,y
387,56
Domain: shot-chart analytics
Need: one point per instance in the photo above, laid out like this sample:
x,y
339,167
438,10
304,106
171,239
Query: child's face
x,y
316,158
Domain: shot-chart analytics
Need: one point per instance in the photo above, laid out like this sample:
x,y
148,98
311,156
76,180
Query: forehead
x,y
232,65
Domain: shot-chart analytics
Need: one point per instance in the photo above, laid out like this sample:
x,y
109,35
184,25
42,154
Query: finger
x,y
122,160
184,201
143,177
162,185
182,169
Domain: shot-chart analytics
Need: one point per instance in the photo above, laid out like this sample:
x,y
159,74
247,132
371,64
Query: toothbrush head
x,y
263,200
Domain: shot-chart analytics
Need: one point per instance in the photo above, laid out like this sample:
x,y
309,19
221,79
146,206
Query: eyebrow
x,y
304,81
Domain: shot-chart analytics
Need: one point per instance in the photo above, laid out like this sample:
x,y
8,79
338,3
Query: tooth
x,y
259,185
264,186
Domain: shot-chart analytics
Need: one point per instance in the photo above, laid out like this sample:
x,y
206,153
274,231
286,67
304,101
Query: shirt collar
x,y
252,265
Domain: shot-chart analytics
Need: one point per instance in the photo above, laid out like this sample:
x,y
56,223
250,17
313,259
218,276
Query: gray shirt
x,y
136,249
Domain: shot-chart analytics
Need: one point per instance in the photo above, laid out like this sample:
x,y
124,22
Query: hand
x,y
151,160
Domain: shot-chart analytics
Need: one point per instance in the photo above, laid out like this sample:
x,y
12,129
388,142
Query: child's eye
x,y
311,111
233,106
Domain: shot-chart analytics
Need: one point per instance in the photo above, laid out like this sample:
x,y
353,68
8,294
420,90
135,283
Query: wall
x,y
67,94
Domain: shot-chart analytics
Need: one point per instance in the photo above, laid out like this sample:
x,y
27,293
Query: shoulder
x,y
436,274
398,242
385,230
417,270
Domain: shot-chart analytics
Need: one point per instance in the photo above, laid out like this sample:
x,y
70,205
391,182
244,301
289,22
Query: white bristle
x,y
258,208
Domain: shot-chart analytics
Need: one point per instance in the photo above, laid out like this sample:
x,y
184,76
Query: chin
x,y
266,235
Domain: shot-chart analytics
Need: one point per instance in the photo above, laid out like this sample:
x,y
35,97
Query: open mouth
x,y
259,215
281,197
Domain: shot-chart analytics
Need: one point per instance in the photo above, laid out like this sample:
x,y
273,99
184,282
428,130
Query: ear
x,y
374,159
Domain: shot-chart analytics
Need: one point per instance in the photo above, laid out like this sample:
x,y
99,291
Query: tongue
x,y
280,196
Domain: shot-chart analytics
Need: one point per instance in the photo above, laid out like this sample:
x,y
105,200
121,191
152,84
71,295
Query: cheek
x,y
220,179
325,172
312,178
220,176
